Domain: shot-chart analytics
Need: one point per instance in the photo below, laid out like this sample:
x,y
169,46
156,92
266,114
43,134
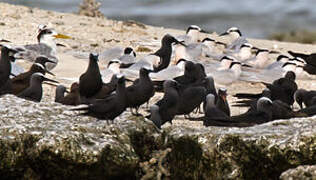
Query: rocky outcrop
x,y
301,172
48,141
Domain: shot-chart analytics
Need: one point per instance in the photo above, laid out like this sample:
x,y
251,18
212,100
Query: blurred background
x,y
256,18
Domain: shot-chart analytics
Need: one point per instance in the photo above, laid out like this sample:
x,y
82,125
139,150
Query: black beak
x,y
50,61
58,44
67,91
49,72
246,65
49,80
255,48
224,34
275,52
178,42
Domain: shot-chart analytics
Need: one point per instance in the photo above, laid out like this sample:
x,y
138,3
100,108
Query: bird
x,y
222,102
236,38
170,72
46,46
164,53
7,56
106,89
35,91
113,68
262,114
244,53
72,98
260,60
281,59
226,77
140,92
90,82
305,97
110,107
168,105
128,58
189,99
281,89
22,81
192,34
213,115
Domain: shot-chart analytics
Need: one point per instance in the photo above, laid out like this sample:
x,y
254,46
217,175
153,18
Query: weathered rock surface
x,y
301,172
48,141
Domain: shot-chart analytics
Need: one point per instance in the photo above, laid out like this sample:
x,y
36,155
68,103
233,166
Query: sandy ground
x,y
19,25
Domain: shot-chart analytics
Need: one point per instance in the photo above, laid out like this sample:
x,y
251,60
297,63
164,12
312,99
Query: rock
x,y
301,172
48,141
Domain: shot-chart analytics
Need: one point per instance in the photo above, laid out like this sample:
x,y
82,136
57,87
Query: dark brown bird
x,y
90,82
7,55
110,107
72,98
22,81
35,91
141,91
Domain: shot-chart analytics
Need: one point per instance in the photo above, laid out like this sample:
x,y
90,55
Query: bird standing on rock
x,y
72,98
90,82
35,91
110,107
141,91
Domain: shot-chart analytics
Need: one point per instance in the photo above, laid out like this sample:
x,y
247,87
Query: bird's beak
x,y
246,65
61,45
179,42
12,74
275,52
67,91
50,61
255,48
301,105
49,72
203,31
61,36
50,80
224,34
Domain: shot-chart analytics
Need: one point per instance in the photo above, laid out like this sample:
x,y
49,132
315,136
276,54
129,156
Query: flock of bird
x,y
185,69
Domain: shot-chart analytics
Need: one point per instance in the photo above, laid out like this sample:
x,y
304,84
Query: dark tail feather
x,y
247,96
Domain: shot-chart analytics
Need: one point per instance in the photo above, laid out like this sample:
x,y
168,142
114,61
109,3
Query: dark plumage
x,y
90,82
168,105
190,98
281,89
140,92
7,56
110,107
165,52
305,97
222,102
72,98
35,91
22,81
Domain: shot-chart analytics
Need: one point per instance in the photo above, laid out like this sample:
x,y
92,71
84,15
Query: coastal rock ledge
x,y
48,141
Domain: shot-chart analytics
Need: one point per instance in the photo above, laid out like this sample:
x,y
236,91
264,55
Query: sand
x,y
19,25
